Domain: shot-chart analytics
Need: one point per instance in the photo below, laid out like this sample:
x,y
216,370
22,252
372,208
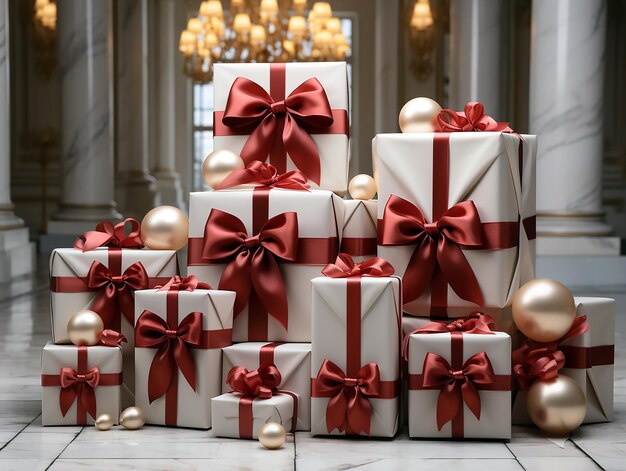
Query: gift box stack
x,y
324,310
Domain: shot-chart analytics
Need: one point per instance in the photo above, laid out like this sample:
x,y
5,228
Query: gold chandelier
x,y
260,31
45,25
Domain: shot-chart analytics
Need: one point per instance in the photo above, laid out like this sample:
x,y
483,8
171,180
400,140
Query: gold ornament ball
x,y
165,228
132,418
544,310
104,422
85,328
418,115
218,165
556,406
272,435
362,187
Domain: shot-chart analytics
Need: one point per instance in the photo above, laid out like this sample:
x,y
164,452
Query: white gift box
x,y
332,143
318,212
359,229
83,361
376,329
227,421
495,405
293,360
191,408
482,167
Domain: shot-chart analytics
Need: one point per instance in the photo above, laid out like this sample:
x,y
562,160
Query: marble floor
x,y
25,444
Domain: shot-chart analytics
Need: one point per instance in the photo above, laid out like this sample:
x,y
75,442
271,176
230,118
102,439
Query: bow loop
x,y
108,235
345,267
189,283
472,118
263,174
534,361
262,382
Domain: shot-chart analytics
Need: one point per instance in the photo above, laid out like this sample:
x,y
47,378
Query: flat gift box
x,y
293,360
359,229
352,335
439,174
495,397
180,405
332,142
69,373
319,237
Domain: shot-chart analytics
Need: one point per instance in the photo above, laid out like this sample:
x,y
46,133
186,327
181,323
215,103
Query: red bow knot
x,y
258,383
79,386
473,118
249,106
174,349
345,267
456,386
108,235
404,224
253,261
349,409
111,338
263,174
534,361
189,283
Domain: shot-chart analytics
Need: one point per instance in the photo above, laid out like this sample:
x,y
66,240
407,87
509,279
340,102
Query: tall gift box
x,y
80,383
293,361
293,115
355,349
359,229
179,334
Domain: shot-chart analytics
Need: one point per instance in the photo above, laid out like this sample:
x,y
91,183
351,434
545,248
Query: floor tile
x,y
421,464
545,463
270,463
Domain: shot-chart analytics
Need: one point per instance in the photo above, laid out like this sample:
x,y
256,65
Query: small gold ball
x,y
104,422
85,328
132,418
362,187
543,310
165,228
418,115
272,435
556,406
218,165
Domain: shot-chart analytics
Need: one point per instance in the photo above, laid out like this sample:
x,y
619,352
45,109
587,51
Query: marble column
x,y
135,189
566,81
477,61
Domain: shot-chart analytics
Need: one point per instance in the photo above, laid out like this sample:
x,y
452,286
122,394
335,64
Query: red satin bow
x,y
349,407
473,118
456,387
266,175
115,292
259,383
250,106
437,246
534,361
189,283
107,235
111,338
252,261
345,267
173,345
81,386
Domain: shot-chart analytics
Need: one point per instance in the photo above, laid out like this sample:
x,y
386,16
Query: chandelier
x,y
422,38
260,31
45,25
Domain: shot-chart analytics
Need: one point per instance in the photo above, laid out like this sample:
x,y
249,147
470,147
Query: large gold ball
x,y
362,187
85,328
544,310
418,115
132,418
272,435
556,406
218,165
104,422
165,228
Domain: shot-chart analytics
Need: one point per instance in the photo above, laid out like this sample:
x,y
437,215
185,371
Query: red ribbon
x,y
266,175
345,267
473,118
359,246
262,382
111,338
532,361
189,283
108,235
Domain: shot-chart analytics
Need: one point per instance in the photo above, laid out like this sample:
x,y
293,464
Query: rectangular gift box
x,y
356,322
427,399
293,360
318,242
359,229
589,360
425,176
64,368
274,83
180,405
239,416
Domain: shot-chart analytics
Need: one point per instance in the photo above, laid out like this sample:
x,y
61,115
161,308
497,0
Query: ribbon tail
x,y
107,307
302,149
458,272
359,414
269,285
336,412
419,271
162,369
471,398
448,405
236,277
186,362
88,400
66,398
260,142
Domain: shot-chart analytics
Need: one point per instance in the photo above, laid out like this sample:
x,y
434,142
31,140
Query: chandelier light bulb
x,y
214,9
242,23
297,26
322,10
422,17
257,36
333,25
194,25
187,38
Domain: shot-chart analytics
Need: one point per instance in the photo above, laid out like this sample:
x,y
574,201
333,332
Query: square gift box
x,y
179,337
80,383
310,100
293,361
441,404
232,235
355,343
455,217
359,229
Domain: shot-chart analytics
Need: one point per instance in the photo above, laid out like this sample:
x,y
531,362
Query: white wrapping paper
x,y
359,223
